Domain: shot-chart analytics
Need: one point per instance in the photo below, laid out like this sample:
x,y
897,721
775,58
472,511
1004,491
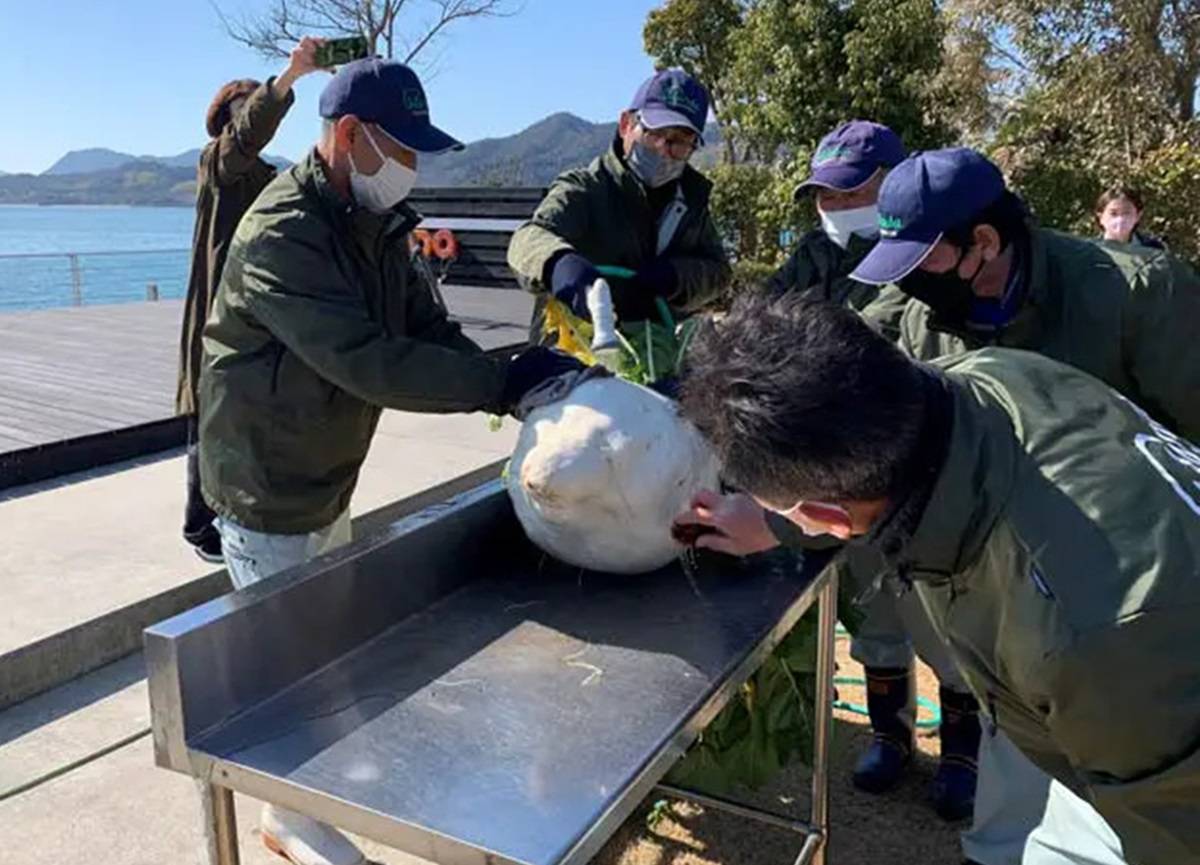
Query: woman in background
x,y
1118,214
241,121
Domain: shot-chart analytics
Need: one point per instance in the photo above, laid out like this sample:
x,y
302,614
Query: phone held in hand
x,y
335,52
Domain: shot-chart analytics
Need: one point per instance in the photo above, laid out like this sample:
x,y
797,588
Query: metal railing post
x,y
76,280
115,275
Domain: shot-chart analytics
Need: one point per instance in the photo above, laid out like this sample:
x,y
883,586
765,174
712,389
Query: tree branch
x,y
275,31
454,10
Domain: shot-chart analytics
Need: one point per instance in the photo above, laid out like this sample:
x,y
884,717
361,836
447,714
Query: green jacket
x,y
821,269
603,213
1059,557
1126,315
319,321
229,177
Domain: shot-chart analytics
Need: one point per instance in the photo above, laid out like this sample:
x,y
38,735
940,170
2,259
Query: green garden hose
x,y
932,722
626,273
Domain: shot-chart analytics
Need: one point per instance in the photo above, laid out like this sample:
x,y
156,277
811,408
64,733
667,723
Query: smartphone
x,y
335,52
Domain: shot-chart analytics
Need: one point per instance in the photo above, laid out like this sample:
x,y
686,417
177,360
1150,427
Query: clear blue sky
x,y
137,75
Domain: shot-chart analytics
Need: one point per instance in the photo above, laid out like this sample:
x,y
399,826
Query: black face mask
x,y
947,294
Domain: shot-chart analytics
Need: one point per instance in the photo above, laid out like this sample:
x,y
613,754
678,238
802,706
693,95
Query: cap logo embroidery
x,y
830,152
674,97
889,225
414,101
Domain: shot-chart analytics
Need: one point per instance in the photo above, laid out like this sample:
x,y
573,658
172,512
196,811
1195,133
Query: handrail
x,y
97,252
38,280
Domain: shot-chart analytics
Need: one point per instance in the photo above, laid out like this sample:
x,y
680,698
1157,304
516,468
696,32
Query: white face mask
x,y
840,224
1119,227
387,187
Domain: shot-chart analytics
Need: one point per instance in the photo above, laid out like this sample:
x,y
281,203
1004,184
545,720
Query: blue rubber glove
x,y
532,367
633,298
658,278
570,278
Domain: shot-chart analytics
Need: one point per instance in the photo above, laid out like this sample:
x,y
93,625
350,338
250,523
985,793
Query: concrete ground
x,y
118,809
99,541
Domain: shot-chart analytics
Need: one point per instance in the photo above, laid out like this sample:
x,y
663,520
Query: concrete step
x,y
99,555
115,809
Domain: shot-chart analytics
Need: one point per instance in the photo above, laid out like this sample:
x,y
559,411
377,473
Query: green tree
x,y
785,72
1080,94
753,204
803,66
695,35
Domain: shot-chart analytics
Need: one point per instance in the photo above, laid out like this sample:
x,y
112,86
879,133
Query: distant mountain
x,y
102,159
91,159
189,159
142,182
532,157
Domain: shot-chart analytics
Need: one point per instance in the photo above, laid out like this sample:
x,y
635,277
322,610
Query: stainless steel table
x,y
446,690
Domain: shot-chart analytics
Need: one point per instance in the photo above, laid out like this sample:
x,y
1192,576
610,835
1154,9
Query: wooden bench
x,y
483,220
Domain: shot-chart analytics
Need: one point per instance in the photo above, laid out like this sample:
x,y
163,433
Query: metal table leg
x,y
826,635
816,831
220,825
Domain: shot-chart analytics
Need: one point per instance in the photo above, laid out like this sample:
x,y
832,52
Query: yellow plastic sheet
x,y
571,333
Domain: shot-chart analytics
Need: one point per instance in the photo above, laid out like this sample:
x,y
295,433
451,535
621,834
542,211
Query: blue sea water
x,y
60,256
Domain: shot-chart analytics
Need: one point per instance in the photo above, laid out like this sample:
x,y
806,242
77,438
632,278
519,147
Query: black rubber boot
x,y
890,691
953,789
198,528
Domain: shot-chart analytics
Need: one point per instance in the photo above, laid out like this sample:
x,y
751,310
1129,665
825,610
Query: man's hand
x,y
570,278
634,297
658,278
531,368
740,523
302,61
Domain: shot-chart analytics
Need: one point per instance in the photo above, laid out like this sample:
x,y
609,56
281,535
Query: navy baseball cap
x,y
388,94
923,197
672,98
850,155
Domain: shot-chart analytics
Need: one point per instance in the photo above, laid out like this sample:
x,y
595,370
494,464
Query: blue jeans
x,y
251,556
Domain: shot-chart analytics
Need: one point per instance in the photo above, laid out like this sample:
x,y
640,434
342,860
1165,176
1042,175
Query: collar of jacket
x,y
830,260
1026,326
356,220
1025,330
966,497
696,187
856,250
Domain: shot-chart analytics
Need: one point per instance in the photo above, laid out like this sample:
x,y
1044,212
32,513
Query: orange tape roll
x,y
445,244
423,240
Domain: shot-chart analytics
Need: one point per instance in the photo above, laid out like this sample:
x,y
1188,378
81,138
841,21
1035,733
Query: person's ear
x,y
626,123
823,518
987,241
346,131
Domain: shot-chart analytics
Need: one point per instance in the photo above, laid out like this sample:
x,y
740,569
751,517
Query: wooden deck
x,y
66,373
